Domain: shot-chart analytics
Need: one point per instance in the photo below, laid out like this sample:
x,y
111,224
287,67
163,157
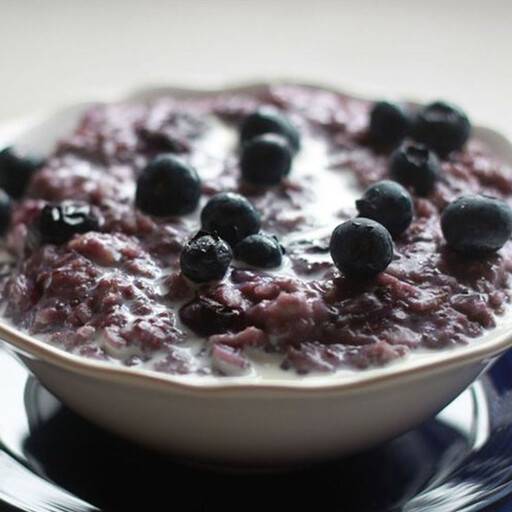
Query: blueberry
x,y
442,127
389,124
5,211
361,248
265,160
205,258
57,223
205,316
260,250
268,120
167,186
415,166
230,216
475,225
388,203
16,171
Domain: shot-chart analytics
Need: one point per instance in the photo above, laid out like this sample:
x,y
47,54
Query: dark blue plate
x,y
52,460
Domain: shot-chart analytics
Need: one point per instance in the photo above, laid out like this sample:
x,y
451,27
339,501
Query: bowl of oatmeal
x,y
257,275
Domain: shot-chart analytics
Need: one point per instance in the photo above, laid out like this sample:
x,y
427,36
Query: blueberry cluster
x,y
441,126
432,133
229,222
230,226
168,186
472,225
363,247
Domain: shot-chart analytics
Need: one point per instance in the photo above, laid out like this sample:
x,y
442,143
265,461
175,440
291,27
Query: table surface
x,y
55,51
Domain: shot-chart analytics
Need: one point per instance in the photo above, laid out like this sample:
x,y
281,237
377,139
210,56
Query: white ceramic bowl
x,y
254,422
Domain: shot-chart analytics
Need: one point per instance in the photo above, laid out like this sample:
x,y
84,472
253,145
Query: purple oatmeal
x,y
117,293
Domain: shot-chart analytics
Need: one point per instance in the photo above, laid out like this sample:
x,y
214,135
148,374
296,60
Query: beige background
x,y
54,51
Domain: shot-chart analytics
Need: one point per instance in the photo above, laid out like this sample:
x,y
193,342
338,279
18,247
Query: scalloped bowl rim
x,y
486,347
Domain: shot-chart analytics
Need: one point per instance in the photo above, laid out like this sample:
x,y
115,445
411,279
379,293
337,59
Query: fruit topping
x,y
388,203
268,120
442,127
168,186
475,225
5,211
361,248
230,216
260,250
265,160
415,166
205,258
16,171
57,223
389,124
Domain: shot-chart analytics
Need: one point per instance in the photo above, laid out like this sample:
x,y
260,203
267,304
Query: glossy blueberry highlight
x,y
230,216
389,124
475,225
16,171
388,203
167,186
268,120
361,248
265,160
260,250
442,127
205,258
415,166
57,223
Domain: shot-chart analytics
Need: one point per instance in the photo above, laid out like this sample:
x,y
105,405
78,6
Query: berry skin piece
x,y
230,216
388,203
389,124
476,225
442,127
361,248
415,166
5,211
206,316
260,250
265,160
57,223
16,171
268,120
167,186
205,258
